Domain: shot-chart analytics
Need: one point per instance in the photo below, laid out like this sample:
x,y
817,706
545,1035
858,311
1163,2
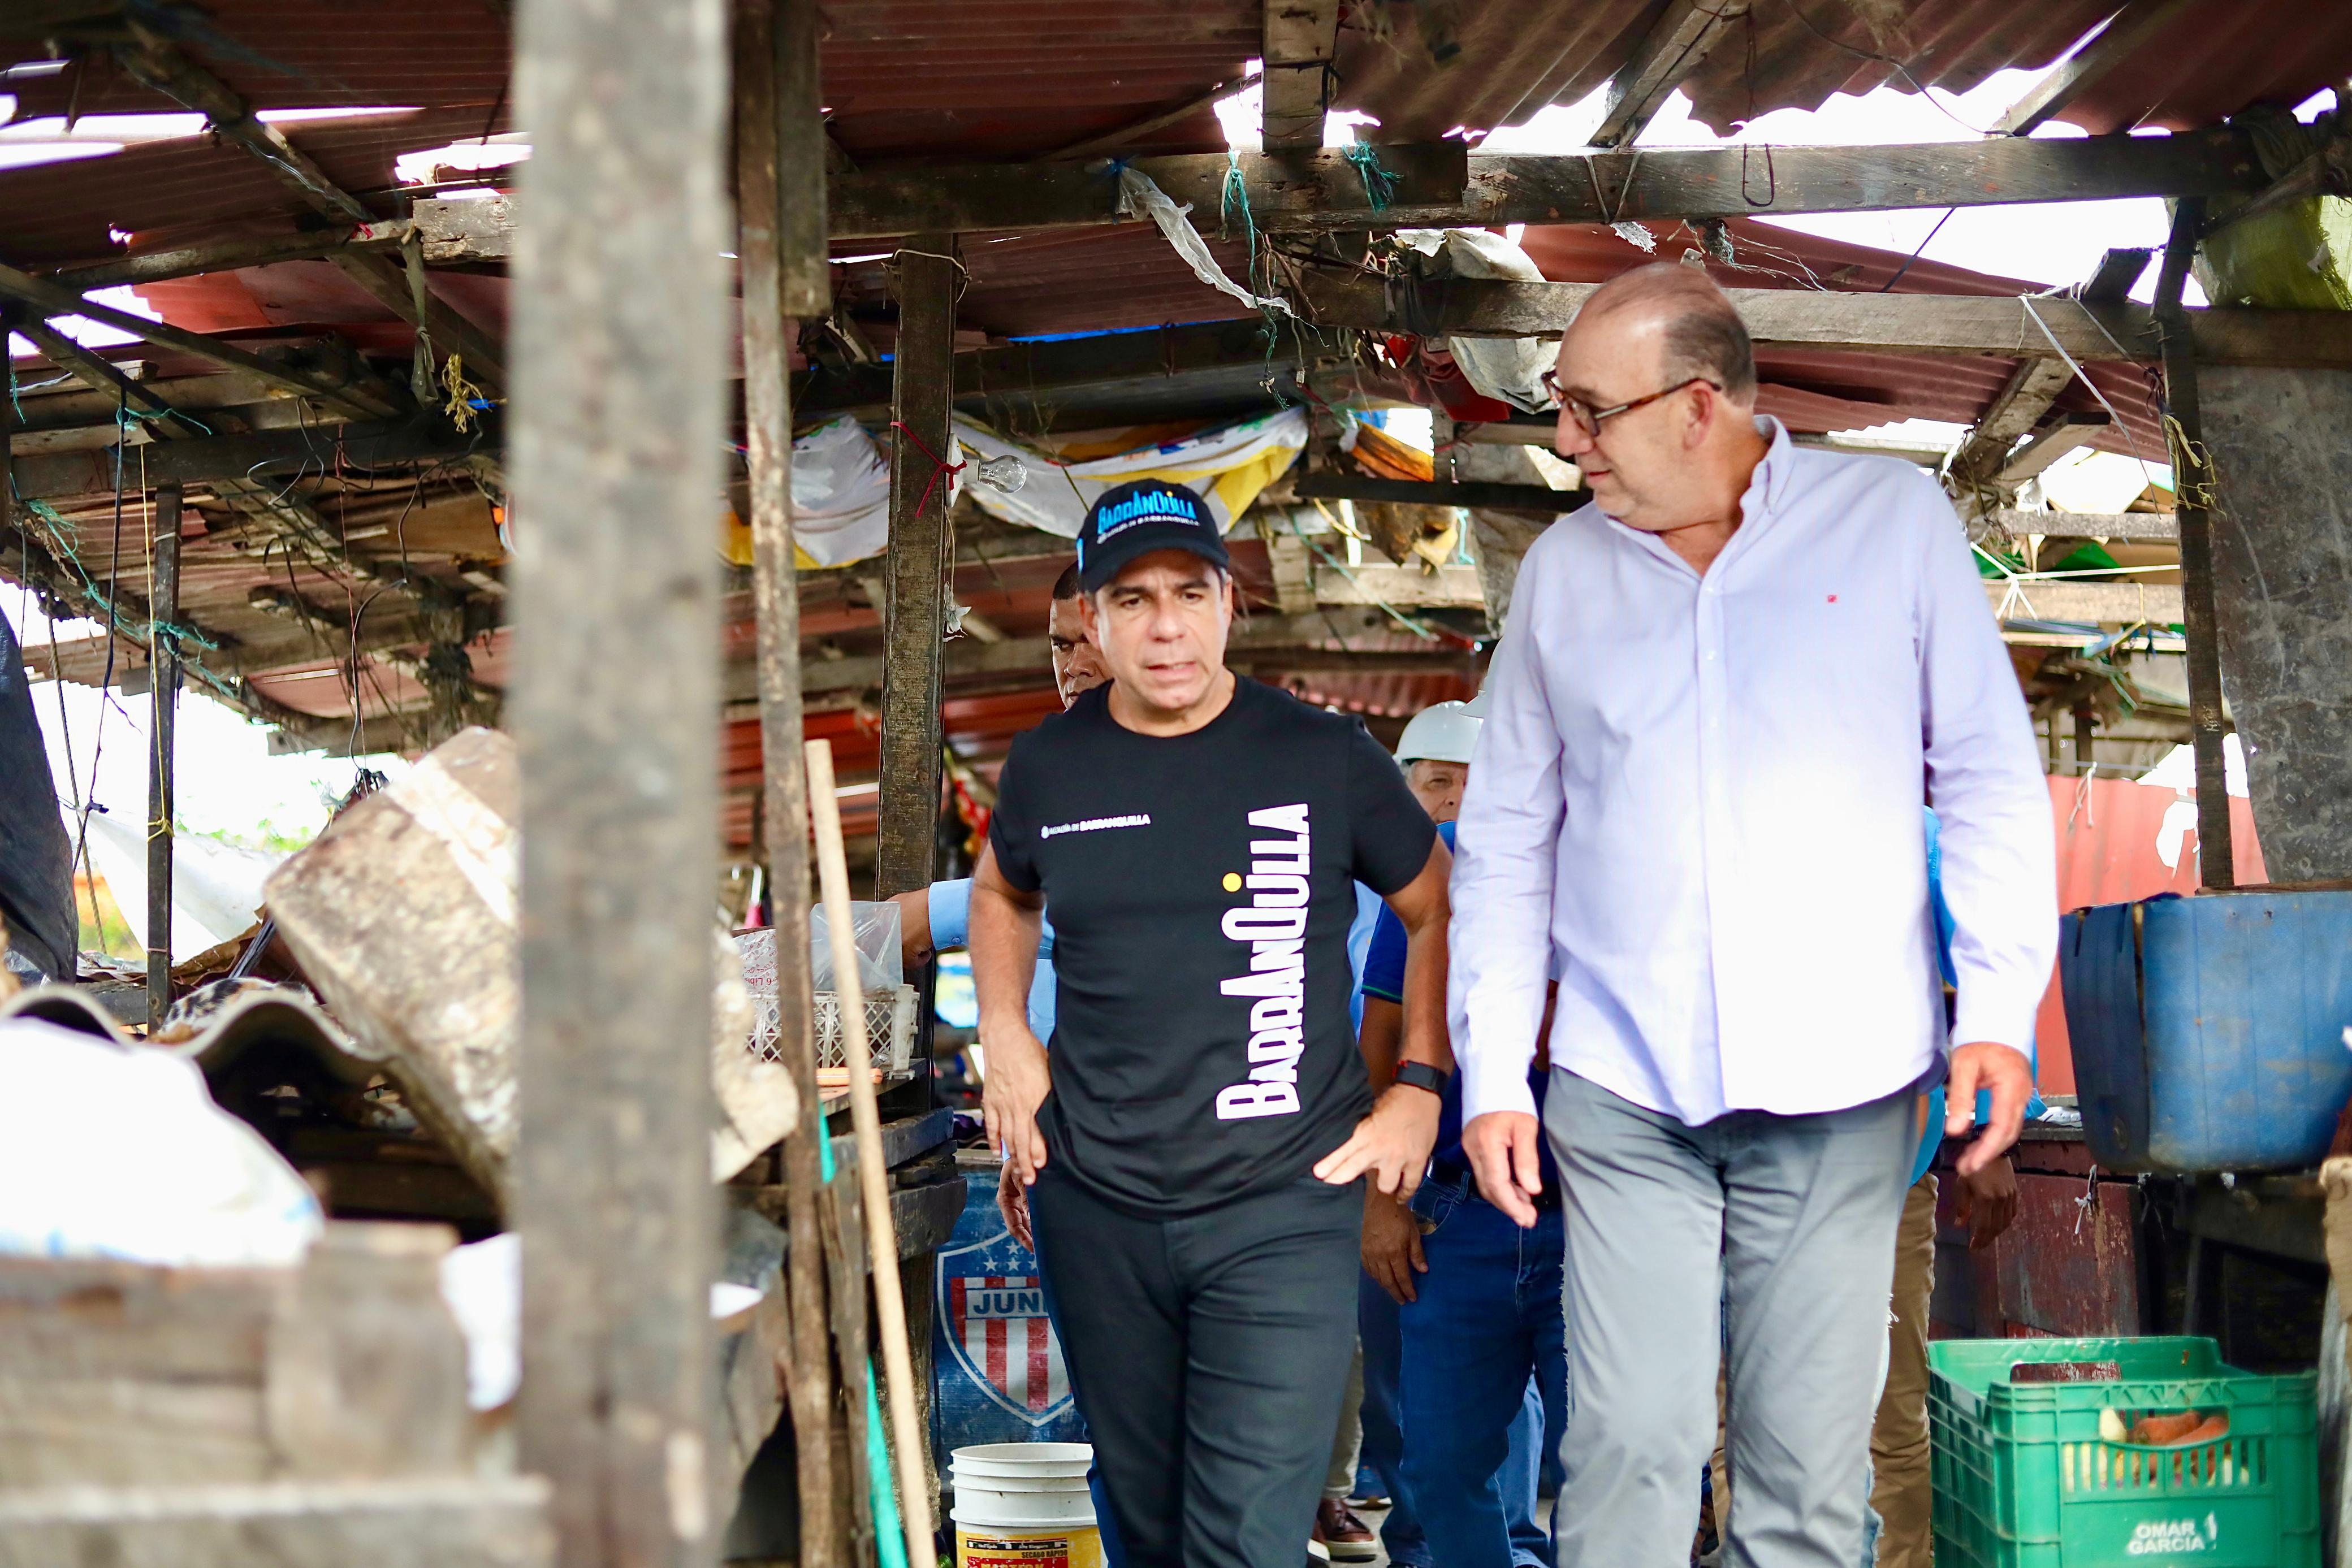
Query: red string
x,y
937,468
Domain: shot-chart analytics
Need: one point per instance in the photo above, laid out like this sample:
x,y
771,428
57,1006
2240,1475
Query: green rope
x,y
1379,185
180,635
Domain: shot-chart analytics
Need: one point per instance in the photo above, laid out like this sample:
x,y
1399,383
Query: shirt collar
x,y
1768,487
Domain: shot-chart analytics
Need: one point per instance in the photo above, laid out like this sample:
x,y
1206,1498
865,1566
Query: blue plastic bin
x,y
2209,1031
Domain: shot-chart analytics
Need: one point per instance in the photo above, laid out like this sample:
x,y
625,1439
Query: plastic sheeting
x,y
90,1122
1226,467
215,887
1509,369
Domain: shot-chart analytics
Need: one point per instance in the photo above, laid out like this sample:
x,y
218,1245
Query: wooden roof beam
x,y
1301,38
2017,409
1437,183
1903,323
2126,30
1672,47
51,299
160,64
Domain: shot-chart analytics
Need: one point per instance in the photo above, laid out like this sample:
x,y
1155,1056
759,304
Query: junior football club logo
x,y
997,1327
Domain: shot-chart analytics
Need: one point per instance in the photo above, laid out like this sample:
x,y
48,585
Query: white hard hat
x,y
1442,732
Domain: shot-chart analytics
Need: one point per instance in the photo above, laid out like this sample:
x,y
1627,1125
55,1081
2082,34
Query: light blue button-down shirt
x,y
951,911
1697,800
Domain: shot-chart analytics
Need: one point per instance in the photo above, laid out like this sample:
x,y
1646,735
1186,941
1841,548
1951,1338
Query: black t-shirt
x,y
1200,886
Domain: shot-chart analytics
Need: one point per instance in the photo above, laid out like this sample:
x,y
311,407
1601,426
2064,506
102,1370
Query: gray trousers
x,y
1799,1214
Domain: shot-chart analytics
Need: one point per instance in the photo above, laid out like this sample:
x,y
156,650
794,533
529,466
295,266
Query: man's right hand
x,y
1016,1085
1502,1147
1012,1202
1392,1254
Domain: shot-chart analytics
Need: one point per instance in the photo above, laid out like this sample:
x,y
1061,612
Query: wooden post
x,y
618,372
921,388
780,205
2192,483
163,686
2084,716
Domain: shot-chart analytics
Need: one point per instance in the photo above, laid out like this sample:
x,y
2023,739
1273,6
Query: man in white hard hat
x,y
1476,1299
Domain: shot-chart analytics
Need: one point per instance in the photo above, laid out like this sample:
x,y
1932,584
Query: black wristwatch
x,y
1421,1075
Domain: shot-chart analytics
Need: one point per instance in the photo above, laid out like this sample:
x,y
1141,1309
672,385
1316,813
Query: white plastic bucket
x,y
1025,1505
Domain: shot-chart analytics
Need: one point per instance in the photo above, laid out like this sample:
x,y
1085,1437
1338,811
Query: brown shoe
x,y
1347,1538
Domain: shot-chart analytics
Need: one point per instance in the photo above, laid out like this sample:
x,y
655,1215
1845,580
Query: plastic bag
x,y
86,1124
879,968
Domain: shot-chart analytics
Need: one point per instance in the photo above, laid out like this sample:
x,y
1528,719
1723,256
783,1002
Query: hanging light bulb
x,y
1003,475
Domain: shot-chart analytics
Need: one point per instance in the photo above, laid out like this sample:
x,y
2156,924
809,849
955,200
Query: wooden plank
x,y
1402,587
461,232
2102,604
929,278
2127,32
230,254
1127,135
458,1522
1909,323
2155,527
163,692
1299,39
203,460
1753,182
1437,183
1672,47
775,94
1424,492
481,357
50,299
2048,444
1297,187
2017,407
2193,481
619,286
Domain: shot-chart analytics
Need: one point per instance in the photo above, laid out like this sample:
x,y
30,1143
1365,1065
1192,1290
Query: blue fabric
x,y
1931,1135
1487,1321
950,905
1382,1333
1370,908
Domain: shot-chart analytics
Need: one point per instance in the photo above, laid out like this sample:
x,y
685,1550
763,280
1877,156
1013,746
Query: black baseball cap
x,y
1138,518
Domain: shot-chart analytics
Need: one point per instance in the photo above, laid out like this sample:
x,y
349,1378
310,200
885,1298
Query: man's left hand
x,y
2001,1069
1392,1144
1987,1203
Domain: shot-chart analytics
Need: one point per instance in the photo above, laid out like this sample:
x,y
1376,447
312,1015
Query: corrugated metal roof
x,y
1817,389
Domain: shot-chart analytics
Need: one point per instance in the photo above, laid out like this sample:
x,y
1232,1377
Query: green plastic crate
x,y
2023,1478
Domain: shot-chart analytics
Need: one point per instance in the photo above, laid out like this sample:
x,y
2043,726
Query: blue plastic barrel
x,y
999,1374
2209,1031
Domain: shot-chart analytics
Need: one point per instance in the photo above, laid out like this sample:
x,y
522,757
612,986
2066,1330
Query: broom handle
x,y
872,1180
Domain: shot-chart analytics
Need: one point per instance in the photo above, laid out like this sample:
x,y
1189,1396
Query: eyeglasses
x,y
1588,418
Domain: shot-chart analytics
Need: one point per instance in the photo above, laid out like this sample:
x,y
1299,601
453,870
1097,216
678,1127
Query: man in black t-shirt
x,y
1197,1141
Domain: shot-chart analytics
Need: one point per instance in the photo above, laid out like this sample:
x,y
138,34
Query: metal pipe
x,y
2192,483
162,750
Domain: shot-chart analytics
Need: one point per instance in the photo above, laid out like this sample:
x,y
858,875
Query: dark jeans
x,y
1487,1321
1208,1355
1378,1325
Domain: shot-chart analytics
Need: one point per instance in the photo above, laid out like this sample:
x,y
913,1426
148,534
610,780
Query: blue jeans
x,y
1378,1325
1487,1320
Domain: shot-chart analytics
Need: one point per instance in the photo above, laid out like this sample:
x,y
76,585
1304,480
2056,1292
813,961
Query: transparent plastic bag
x,y
878,964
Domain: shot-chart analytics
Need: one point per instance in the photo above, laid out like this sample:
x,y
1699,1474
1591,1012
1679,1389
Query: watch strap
x,y
1421,1075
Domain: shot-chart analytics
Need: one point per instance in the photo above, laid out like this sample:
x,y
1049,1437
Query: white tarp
x,y
1509,369
215,887
1226,467
841,480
